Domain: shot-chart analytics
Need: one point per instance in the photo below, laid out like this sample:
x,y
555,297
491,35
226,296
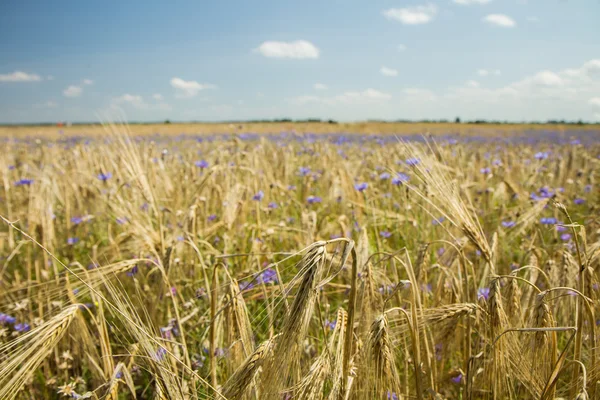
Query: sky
x,y
348,60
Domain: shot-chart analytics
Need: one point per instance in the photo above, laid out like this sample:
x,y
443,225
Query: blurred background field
x,y
184,263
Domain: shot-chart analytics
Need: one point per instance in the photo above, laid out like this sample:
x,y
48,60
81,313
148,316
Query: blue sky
x,y
342,59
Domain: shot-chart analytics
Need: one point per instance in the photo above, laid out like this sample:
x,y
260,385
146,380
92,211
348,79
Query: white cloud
x,y
73,91
488,72
157,96
320,86
595,102
501,20
547,78
385,71
20,76
412,15
346,98
546,94
135,100
88,82
419,94
138,102
472,84
401,47
189,88
299,49
469,2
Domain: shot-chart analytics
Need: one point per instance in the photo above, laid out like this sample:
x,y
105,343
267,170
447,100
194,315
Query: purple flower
x,y
133,271
384,176
72,240
24,182
23,327
587,188
212,217
201,164
497,163
258,196
160,354
486,170
121,220
579,201
292,187
7,319
361,187
272,205
313,199
438,221
385,234
304,171
76,220
441,251
565,237
508,224
548,221
457,379
330,324
542,155
412,161
392,396
400,178
483,293
104,177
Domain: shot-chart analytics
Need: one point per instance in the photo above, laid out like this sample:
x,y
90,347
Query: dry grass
x,y
236,267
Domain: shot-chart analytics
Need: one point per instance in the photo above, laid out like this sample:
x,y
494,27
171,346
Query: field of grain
x,y
300,262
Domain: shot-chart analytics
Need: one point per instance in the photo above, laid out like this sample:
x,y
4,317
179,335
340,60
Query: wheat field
x,y
299,262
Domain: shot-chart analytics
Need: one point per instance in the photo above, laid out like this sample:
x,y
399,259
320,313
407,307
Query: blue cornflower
x,y
133,271
412,161
258,196
201,164
457,379
272,205
361,187
22,327
579,201
438,221
384,176
400,178
541,155
24,182
385,234
72,240
483,293
304,171
548,220
508,224
565,237
76,220
7,319
105,176
291,187
212,217
486,170
313,199
121,220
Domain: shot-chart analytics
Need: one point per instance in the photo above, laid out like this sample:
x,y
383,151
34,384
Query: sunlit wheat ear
x,y
245,375
498,322
285,358
421,263
570,269
28,351
381,360
336,351
513,304
237,326
120,374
